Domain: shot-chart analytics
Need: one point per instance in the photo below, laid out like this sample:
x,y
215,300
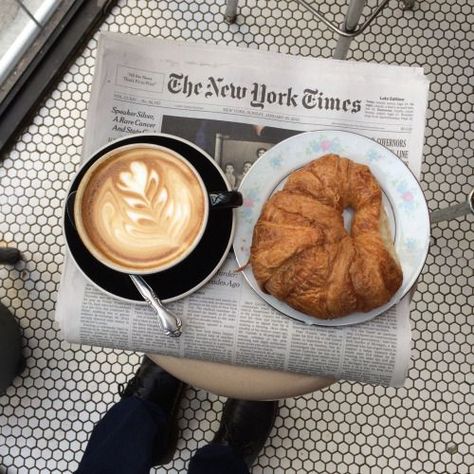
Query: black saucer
x,y
192,272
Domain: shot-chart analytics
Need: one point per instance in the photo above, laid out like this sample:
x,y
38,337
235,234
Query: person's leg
x,y
141,430
244,429
217,459
126,439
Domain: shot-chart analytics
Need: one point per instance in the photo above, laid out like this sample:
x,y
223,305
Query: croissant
x,y
302,254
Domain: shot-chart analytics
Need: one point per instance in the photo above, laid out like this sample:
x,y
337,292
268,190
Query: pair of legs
x,y
141,430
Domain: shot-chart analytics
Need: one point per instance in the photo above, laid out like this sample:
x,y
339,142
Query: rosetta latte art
x,y
141,211
145,212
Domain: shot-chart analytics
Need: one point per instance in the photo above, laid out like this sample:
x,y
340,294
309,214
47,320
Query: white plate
x,y
403,201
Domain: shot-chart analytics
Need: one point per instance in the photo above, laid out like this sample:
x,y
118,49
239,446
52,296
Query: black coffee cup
x,y
215,201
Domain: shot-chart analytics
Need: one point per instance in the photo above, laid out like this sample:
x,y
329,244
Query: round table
x,y
247,383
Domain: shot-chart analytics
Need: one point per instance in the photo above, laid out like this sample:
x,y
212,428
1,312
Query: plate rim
x,y
340,321
157,135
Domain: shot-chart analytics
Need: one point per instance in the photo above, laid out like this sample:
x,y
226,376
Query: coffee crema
x,y
142,208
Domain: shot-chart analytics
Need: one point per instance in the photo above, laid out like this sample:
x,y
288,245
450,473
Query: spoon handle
x,y
451,212
169,322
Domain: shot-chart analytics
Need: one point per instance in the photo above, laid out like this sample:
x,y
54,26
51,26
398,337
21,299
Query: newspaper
x,y
234,103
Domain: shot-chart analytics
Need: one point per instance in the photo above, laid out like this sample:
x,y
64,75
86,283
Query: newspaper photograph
x,y
236,104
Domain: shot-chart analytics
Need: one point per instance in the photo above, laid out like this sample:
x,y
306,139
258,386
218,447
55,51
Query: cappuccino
x,y
141,208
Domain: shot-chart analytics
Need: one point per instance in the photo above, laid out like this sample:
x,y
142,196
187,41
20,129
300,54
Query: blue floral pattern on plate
x,y
373,155
408,201
277,161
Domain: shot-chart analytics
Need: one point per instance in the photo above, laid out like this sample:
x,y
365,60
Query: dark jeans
x,y
127,437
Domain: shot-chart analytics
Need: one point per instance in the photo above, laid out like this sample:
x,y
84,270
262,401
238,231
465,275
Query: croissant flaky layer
x,y
302,254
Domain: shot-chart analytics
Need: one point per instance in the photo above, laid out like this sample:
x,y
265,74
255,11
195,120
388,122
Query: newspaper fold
x,y
236,103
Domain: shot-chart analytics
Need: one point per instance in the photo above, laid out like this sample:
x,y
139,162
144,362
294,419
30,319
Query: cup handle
x,y
225,200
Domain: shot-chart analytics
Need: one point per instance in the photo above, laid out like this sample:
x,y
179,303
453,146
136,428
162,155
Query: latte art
x,y
140,210
143,208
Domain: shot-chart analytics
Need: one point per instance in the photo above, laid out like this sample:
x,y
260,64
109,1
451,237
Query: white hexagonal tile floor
x,y
424,427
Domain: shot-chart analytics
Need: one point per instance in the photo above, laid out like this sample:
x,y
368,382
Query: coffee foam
x,y
143,208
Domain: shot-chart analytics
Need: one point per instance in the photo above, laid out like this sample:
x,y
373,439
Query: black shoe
x,y
154,384
245,426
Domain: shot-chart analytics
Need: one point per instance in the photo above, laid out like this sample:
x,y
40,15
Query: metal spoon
x,y
457,210
169,322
